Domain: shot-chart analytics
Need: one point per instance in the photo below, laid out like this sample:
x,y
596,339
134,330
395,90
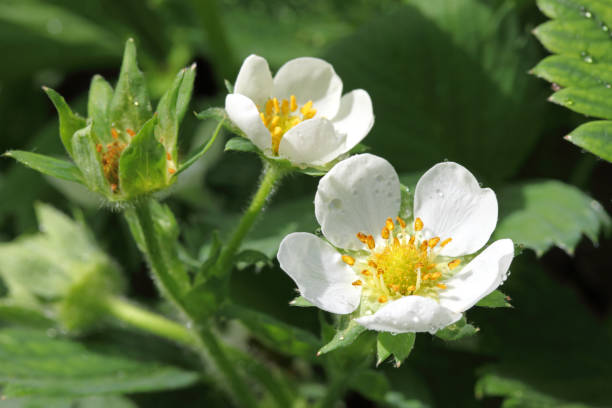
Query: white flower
x,y
400,277
300,114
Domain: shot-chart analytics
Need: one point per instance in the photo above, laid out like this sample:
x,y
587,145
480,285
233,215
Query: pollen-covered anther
x,y
281,115
365,272
418,224
441,286
371,242
362,237
357,283
114,133
380,272
454,263
98,148
389,224
383,299
384,233
424,245
372,264
401,222
130,132
433,242
349,260
445,242
171,170
168,156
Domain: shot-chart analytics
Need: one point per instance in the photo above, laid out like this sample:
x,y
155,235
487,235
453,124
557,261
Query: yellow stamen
x,y
385,233
401,222
357,283
114,133
371,243
433,242
418,224
445,242
293,103
389,224
441,286
285,107
372,264
348,260
362,237
365,272
454,264
383,299
275,105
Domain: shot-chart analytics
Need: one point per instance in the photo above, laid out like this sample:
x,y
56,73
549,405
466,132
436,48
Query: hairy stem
x,y
272,175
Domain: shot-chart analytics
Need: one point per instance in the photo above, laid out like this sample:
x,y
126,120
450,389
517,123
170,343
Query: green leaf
x,y
541,214
112,401
171,109
14,313
457,330
87,159
48,165
275,334
494,299
345,336
301,301
142,165
241,144
371,384
595,137
130,107
580,34
398,345
69,122
250,257
36,364
100,96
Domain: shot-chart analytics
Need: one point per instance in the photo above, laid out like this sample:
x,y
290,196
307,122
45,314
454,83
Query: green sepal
x,y
457,330
130,107
142,165
229,86
172,107
88,161
345,335
242,144
595,137
69,122
301,301
48,165
98,105
494,299
220,115
398,345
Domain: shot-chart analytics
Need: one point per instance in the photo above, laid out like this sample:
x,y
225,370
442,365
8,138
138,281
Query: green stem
x,y
239,389
212,24
205,343
272,175
150,322
160,269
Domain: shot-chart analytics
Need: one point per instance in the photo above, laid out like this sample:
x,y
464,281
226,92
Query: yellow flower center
x,y
280,116
404,265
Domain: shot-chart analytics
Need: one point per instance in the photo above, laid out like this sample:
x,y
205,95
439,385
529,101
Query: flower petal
x,y
243,112
355,117
478,278
254,79
410,314
310,79
451,204
313,142
319,272
357,195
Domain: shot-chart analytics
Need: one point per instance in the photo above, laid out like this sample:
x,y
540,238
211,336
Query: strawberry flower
x,y
300,114
394,274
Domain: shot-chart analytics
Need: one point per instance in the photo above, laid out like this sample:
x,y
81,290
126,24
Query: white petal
x,y
410,314
357,195
313,142
310,79
478,278
355,117
254,79
243,112
451,204
319,272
